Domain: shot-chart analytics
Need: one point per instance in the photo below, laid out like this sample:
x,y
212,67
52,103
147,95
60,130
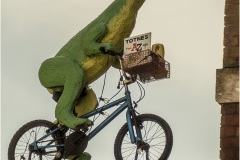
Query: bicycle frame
x,y
126,104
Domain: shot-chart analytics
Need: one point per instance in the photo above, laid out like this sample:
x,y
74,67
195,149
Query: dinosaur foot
x,y
75,122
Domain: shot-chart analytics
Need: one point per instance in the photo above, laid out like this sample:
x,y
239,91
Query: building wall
x,y
227,84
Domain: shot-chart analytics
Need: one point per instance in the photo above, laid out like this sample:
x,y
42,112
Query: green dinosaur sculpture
x,y
80,61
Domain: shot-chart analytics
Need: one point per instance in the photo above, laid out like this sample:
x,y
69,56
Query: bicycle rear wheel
x,y
157,140
27,134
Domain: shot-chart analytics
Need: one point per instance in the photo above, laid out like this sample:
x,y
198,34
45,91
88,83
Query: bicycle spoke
x,y
131,153
154,131
27,135
157,149
152,137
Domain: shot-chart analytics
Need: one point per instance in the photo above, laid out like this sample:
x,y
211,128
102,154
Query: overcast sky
x,y
192,33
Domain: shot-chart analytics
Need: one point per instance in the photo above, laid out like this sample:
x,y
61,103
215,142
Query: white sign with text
x,y
137,43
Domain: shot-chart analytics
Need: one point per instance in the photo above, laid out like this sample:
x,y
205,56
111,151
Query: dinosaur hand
x,y
107,48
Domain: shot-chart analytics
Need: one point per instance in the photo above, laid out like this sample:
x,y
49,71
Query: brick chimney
x,y
227,84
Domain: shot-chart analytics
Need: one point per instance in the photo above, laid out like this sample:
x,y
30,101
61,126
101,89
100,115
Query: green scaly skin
x,y
80,62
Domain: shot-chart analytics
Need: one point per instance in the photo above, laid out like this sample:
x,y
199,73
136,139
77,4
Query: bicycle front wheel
x,y
27,134
157,138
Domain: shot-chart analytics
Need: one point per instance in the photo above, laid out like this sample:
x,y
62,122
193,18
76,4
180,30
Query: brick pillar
x,y
227,84
229,132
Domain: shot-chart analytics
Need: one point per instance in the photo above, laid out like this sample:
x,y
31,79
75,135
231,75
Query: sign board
x,y
137,43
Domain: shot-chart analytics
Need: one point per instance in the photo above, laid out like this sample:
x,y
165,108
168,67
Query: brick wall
x,y
229,132
227,84
231,34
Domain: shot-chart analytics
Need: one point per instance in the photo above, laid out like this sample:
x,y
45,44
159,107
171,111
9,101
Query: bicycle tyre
x,y
148,122
20,138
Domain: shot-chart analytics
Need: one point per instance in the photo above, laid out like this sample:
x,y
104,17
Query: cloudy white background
x,y
191,31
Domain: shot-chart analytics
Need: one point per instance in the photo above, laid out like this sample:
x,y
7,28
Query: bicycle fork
x,y
136,137
131,122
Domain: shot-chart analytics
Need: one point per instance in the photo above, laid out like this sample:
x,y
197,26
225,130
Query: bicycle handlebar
x,y
128,79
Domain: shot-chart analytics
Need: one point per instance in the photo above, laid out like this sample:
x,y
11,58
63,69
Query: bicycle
x,y
143,136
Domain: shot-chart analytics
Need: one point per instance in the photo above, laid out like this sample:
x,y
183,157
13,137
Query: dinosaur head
x,y
136,4
133,5
121,16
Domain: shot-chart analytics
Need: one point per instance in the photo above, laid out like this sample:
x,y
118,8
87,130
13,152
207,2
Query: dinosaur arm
x,y
91,41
